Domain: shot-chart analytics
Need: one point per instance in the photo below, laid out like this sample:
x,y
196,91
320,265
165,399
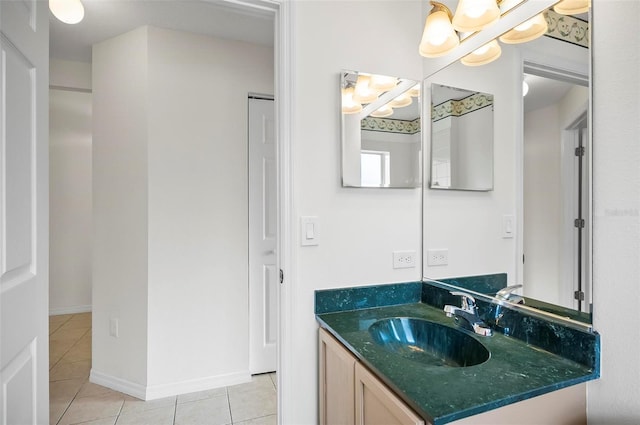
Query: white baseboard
x,y
70,310
153,392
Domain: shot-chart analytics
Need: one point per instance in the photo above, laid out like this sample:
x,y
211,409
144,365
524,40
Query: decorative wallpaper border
x,y
387,125
457,108
567,28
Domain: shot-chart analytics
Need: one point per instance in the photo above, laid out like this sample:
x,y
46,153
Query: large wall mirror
x,y
381,131
461,139
543,147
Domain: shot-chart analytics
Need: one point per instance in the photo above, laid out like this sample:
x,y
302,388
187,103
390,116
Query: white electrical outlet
x,y
404,259
437,257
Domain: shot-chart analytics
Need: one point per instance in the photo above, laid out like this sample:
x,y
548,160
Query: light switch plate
x,y
309,231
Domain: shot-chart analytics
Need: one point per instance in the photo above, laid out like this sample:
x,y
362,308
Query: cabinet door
x,y
336,381
377,405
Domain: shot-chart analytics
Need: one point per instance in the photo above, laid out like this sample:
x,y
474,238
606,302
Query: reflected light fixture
x,y
383,111
363,93
401,101
67,11
527,31
349,106
525,88
414,91
572,7
482,56
439,37
474,15
382,82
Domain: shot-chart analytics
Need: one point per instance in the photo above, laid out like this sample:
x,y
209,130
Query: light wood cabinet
x,y
377,405
351,395
336,379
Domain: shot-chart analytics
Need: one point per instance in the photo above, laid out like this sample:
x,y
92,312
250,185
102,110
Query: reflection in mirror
x,y
381,132
542,151
461,139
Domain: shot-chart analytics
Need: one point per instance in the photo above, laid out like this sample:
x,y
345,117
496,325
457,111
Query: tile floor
x,y
75,400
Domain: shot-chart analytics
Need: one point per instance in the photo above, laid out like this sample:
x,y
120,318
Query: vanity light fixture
x,y
527,31
572,7
482,56
382,83
414,91
67,11
439,37
383,111
349,106
363,93
401,101
474,15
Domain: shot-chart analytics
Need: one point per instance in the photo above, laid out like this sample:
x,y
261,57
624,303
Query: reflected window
x,y
375,168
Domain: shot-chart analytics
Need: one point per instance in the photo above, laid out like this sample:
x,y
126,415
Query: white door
x,y
24,352
263,275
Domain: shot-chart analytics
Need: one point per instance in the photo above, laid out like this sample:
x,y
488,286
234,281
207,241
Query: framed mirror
x,y
381,131
461,139
535,226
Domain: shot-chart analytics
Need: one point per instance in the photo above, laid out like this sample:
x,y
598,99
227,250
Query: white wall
x,y
469,224
171,209
120,212
613,399
69,187
198,204
69,201
360,227
543,211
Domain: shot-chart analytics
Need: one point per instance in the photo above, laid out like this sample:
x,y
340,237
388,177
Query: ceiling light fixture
x,y
572,7
484,55
67,11
439,37
527,31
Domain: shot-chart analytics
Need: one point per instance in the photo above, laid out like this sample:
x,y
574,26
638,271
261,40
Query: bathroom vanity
x,y
375,366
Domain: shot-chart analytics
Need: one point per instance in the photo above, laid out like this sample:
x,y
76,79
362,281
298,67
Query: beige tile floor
x,y
75,400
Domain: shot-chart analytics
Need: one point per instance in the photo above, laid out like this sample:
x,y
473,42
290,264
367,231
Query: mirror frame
x,y
522,12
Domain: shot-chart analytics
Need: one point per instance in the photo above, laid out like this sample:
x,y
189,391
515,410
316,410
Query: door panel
x,y
24,40
263,273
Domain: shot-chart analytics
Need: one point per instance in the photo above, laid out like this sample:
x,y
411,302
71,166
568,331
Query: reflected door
x,y
263,276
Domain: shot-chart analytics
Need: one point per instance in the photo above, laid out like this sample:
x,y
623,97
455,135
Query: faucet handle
x,y
506,294
468,302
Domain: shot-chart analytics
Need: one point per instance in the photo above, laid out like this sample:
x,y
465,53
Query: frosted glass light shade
x,y
526,31
474,15
349,106
382,82
383,111
414,91
363,93
572,7
401,101
67,11
438,36
482,56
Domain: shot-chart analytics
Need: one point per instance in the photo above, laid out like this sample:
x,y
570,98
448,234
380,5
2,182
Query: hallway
x,y
74,400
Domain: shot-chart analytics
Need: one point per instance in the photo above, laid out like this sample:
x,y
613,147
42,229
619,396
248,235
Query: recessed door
x,y
24,353
263,274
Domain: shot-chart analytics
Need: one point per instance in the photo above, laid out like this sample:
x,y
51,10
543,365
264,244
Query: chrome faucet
x,y
469,313
506,294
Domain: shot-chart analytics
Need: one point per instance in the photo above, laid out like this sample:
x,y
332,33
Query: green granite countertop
x,y
515,371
